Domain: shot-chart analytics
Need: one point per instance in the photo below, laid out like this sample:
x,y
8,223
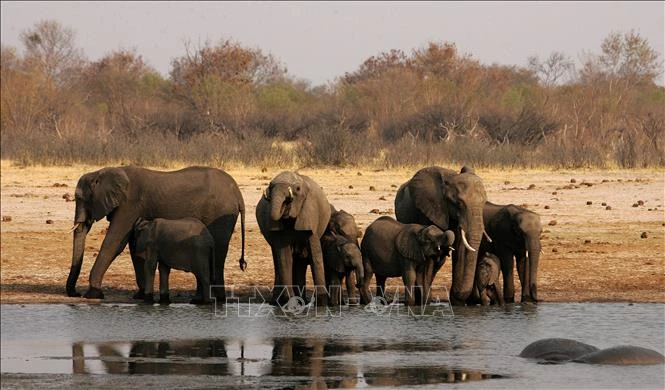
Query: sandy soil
x,y
592,252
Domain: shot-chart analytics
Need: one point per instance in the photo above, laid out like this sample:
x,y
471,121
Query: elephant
x,y
561,350
515,232
342,224
341,258
292,215
124,194
390,249
184,244
450,201
487,280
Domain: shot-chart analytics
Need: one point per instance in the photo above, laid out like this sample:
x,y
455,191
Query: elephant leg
x,y
164,272
284,291
138,267
349,280
150,266
317,271
409,279
523,274
221,230
381,286
335,289
365,295
507,270
299,274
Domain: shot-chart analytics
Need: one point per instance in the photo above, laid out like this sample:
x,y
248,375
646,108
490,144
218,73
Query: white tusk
x,y
451,248
465,242
74,227
487,236
265,194
290,192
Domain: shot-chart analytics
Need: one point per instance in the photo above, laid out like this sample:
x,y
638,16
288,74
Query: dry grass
x,y
590,254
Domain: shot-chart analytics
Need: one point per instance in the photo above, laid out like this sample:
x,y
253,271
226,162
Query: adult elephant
x,y
515,232
293,215
125,194
561,350
451,201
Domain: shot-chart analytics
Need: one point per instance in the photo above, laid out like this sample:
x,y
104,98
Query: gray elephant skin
x,y
293,215
411,251
124,194
561,350
342,259
515,233
451,201
487,280
184,244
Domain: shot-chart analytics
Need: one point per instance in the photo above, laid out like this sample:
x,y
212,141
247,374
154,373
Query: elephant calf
x,y
487,279
414,252
184,244
341,258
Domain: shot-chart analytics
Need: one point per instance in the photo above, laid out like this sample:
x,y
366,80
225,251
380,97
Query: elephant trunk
x,y
530,274
277,206
80,233
464,260
360,274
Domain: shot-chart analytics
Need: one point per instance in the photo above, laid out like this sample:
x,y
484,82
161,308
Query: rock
x,y
644,235
573,181
640,203
359,174
587,241
608,208
6,218
603,204
372,188
547,207
350,187
49,222
552,222
588,202
375,211
531,187
555,250
382,198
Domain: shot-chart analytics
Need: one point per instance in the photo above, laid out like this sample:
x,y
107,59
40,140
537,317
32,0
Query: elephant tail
x,y
242,262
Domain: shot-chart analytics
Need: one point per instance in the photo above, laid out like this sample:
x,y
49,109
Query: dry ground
x,y
591,253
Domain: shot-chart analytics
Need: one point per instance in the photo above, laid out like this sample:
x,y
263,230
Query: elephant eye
x,y
298,189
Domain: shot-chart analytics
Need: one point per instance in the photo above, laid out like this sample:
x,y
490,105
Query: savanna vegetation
x,y
227,104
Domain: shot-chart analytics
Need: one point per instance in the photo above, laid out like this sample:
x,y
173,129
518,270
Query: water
x,y
117,346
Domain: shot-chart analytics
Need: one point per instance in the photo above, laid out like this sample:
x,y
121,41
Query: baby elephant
x,y
184,244
414,252
341,259
487,279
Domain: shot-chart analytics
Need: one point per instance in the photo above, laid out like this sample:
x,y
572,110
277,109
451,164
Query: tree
x,y
551,70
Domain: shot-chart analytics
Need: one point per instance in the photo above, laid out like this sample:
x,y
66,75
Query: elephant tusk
x,y
487,236
451,248
74,227
465,242
265,194
290,192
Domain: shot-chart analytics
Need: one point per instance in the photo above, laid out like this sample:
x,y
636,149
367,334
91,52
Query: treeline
x,y
228,104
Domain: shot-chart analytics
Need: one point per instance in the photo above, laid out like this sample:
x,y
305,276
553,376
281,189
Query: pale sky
x,y
320,41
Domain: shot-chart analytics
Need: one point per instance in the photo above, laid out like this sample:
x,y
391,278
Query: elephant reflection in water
x,y
306,357
420,375
160,357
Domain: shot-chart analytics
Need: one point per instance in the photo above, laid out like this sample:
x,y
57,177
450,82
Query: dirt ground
x,y
603,239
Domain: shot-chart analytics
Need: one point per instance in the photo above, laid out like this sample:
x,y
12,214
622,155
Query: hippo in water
x,y
558,350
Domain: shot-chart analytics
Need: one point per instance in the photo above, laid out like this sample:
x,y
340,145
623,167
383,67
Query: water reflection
x,y
314,361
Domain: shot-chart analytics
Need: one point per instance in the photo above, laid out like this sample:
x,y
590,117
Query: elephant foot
x,y
94,293
164,299
138,295
73,293
148,299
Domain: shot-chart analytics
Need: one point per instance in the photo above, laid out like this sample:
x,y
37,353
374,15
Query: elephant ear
x,y
407,243
109,190
143,232
314,210
427,189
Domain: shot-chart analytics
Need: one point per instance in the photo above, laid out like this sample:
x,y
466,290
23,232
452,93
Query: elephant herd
x,y
184,220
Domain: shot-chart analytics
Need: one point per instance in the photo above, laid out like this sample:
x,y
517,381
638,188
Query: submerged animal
x,y
560,350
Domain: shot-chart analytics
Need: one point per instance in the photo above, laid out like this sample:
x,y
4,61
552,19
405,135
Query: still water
x,y
249,346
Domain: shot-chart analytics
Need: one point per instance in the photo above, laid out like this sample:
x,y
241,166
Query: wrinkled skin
x,y
515,233
560,350
293,215
487,280
184,244
411,251
451,201
341,260
125,194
